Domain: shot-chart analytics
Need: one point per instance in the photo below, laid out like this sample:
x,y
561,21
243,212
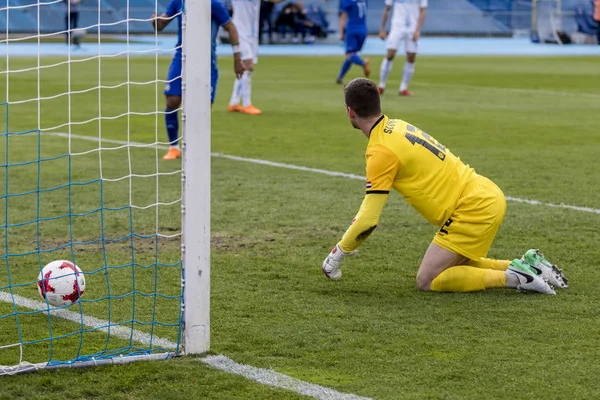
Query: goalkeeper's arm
x,y
362,226
382,168
365,221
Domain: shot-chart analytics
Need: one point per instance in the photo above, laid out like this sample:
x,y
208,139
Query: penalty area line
x,y
307,169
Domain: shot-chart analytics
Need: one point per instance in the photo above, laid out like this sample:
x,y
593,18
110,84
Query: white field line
x,y
541,92
263,376
307,169
512,90
119,331
272,378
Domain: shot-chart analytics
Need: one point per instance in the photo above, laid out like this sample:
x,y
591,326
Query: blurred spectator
x,y
316,14
597,18
266,15
293,17
586,26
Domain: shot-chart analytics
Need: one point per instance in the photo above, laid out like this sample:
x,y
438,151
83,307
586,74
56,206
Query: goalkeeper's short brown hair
x,y
362,96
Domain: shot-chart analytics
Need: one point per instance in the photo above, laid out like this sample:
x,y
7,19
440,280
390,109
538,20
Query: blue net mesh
x,y
114,210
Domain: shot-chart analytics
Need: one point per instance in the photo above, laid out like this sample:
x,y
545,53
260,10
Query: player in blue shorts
x,y
353,31
219,17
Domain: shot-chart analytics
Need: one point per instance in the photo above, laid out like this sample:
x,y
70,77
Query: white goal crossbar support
x,y
196,177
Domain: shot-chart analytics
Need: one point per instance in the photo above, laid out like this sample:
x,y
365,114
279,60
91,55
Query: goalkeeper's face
x,y
352,117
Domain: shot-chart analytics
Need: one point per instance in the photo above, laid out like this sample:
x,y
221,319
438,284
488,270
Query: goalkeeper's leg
x,y
489,263
454,261
444,271
437,260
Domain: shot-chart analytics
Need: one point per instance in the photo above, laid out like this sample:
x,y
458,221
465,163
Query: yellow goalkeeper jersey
x,y
426,173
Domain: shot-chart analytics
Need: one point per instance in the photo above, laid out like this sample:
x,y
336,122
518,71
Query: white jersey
x,y
246,14
406,13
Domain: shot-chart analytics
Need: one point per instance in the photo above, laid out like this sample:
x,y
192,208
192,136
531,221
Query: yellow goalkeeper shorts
x,y
472,226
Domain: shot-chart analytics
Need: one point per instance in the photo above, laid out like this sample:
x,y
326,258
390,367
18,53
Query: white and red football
x,y
61,283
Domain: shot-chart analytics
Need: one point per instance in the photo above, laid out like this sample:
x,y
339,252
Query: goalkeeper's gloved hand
x,y
331,264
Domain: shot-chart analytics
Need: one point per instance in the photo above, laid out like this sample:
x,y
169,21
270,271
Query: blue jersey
x,y
175,7
219,16
357,14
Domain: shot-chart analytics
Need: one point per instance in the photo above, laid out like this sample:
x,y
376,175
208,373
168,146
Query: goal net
x,y
82,179
546,21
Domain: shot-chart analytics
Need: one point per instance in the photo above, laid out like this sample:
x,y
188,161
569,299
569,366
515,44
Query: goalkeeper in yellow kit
x,y
467,207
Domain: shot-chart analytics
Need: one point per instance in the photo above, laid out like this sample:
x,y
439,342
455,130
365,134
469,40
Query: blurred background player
x,y
353,31
72,20
219,17
246,17
407,21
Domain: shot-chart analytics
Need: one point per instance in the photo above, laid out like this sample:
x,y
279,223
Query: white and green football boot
x,y
546,269
529,280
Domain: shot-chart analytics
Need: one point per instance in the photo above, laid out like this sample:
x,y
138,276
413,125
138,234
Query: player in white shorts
x,y
246,16
407,20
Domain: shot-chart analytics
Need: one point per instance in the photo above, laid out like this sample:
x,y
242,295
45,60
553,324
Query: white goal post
x,y
196,176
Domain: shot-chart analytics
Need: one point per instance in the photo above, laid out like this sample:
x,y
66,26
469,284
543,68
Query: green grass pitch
x,y
529,124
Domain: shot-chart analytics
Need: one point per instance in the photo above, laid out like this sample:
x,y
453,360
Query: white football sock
x,y
409,70
237,92
246,88
386,67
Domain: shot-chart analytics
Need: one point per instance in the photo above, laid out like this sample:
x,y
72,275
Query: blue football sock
x,y
172,122
345,67
355,58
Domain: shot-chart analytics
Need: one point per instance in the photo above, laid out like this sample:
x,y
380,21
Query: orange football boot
x,y
250,110
235,108
172,154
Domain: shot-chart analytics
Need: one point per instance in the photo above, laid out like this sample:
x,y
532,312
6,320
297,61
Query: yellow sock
x,y
468,279
488,263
